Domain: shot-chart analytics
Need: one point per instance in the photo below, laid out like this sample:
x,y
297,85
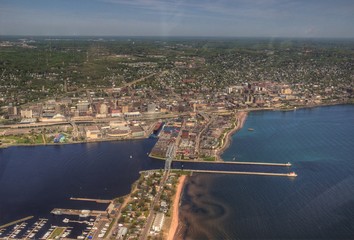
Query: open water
x,y
34,180
318,204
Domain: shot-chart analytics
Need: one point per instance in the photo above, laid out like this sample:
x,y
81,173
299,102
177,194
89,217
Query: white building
x,y
103,108
158,222
27,113
132,115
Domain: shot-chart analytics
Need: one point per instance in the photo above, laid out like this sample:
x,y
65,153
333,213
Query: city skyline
x,y
226,18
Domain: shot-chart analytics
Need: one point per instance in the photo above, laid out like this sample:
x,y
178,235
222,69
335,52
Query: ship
x,y
292,174
250,129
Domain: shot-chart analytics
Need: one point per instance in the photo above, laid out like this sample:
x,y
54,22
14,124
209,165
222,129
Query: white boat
x,y
57,212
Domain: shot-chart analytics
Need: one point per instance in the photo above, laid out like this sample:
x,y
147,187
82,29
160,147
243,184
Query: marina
x,y
35,228
24,230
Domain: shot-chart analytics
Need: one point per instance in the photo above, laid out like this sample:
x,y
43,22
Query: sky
x,y
225,18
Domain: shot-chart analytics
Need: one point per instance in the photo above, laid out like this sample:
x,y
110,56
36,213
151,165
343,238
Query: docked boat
x,y
57,212
292,174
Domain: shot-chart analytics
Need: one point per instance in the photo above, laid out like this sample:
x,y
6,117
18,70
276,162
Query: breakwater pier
x,y
15,222
270,164
91,200
291,174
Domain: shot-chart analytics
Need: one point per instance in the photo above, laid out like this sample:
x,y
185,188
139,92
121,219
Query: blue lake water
x,y
318,204
34,180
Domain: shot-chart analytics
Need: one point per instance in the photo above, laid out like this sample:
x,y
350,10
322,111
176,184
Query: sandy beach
x,y
241,118
175,217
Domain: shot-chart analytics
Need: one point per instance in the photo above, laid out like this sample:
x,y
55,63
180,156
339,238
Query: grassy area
x,y
110,227
210,158
57,233
22,139
181,172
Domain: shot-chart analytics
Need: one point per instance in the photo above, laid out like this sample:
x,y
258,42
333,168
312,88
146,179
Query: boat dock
x,y
35,228
83,213
91,200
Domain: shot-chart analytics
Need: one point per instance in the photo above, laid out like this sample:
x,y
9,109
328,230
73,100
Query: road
x,y
197,142
152,213
170,155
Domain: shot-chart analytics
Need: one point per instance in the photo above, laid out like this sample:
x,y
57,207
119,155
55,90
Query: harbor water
x,y
319,203
35,180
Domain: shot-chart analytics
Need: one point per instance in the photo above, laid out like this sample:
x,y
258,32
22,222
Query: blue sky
x,y
239,18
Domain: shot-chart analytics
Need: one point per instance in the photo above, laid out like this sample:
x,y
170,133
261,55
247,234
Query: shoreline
x,y
219,150
71,143
175,216
241,119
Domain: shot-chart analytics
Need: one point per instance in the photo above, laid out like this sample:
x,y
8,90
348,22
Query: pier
x,y
245,173
288,164
15,222
86,213
261,164
91,200
36,227
292,174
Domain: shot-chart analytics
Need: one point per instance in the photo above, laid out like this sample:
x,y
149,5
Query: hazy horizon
x,y
180,18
